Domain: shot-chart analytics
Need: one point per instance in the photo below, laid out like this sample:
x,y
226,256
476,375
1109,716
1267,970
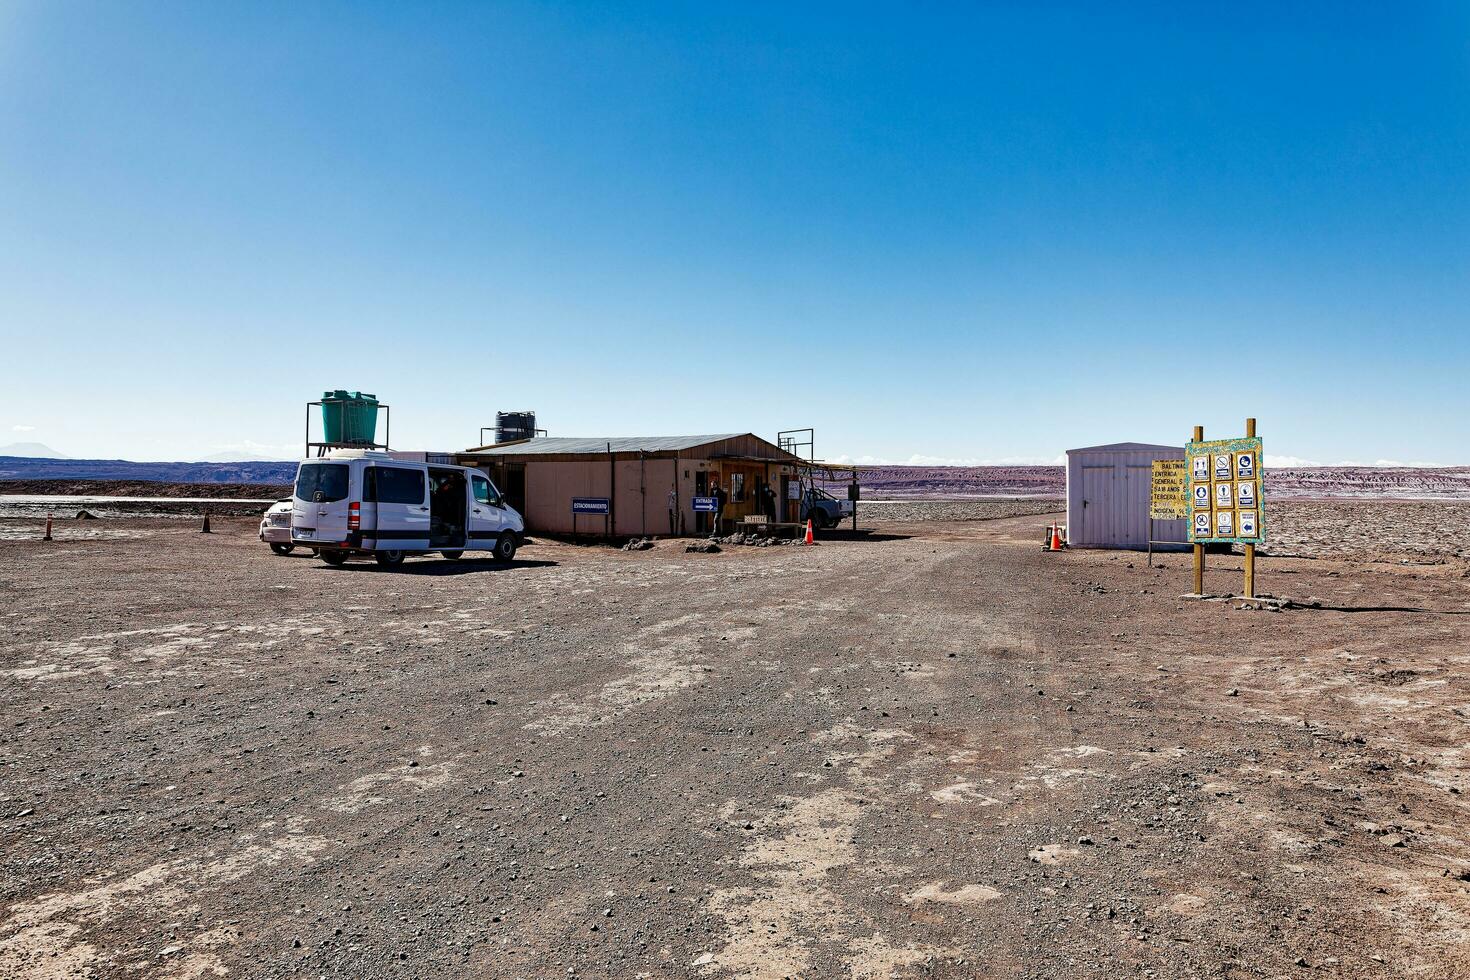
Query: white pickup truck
x,y
823,509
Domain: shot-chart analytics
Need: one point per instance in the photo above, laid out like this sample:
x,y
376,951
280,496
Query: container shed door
x,y
1098,487
1137,489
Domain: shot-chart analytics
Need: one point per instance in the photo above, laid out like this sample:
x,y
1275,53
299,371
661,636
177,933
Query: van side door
x,y
487,518
401,494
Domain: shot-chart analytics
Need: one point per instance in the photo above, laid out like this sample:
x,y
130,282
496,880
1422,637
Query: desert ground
x,y
934,750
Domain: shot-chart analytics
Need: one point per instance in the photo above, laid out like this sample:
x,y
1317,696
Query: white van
x,y
355,501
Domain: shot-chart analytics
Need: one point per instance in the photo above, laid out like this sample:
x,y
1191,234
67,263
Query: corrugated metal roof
x,y
547,445
1124,447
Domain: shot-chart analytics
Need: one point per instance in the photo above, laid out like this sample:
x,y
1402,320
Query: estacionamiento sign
x,y
1168,500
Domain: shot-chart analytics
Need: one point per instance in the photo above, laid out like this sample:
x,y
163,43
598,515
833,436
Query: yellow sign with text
x,y
1169,500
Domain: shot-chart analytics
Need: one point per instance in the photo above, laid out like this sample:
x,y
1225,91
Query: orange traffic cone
x,y
809,537
1056,538
48,529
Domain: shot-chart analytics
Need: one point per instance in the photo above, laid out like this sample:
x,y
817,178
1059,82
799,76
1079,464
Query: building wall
x,y
640,487
640,495
1116,487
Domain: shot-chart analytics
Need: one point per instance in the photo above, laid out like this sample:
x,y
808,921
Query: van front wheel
x,y
388,559
452,555
334,557
505,547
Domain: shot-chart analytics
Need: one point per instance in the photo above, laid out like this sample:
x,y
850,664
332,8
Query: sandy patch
x,y
1052,854
792,855
44,938
963,792
661,666
369,790
960,895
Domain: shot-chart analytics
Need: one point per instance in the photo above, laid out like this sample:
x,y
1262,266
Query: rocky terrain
x,y
145,488
936,751
1412,531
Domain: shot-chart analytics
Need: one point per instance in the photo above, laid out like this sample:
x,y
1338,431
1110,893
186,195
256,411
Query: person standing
x,y
768,502
673,511
720,497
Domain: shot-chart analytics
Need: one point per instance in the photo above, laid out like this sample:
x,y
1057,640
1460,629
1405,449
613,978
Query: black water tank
x,y
511,426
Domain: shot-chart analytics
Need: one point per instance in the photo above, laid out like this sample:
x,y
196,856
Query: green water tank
x,y
349,417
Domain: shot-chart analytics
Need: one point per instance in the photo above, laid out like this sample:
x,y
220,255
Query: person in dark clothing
x,y
768,502
720,497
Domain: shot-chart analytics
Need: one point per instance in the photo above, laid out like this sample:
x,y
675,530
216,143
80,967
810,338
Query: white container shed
x,y
1108,490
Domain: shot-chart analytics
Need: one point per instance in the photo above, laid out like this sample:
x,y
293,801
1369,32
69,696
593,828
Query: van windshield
x,y
328,479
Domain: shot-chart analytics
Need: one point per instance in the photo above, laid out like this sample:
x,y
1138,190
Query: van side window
x,y
483,493
391,485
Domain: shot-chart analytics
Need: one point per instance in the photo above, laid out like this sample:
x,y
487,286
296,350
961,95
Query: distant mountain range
x,y
232,457
32,468
879,482
918,482
34,450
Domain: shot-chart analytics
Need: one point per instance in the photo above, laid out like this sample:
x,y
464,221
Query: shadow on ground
x,y
465,566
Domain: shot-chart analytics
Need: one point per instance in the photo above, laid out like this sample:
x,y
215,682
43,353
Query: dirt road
x,y
939,753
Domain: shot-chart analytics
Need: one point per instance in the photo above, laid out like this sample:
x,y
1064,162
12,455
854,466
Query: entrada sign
x,y
1167,500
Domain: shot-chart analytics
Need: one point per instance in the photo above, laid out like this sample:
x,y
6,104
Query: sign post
x,y
601,506
1199,549
1250,547
1225,498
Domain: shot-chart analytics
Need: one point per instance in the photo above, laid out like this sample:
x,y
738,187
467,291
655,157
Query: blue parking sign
x,y
590,505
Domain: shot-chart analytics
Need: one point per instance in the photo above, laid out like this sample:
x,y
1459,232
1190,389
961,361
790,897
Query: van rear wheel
x,y
334,557
281,548
388,559
505,547
452,555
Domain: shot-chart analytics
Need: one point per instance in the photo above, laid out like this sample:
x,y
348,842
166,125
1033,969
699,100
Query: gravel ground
x,y
939,752
1375,530
1386,530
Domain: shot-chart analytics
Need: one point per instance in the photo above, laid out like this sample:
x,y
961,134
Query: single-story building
x,y
640,485
1108,493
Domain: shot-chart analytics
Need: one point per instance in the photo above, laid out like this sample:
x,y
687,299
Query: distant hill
x,y
1410,483
30,450
31,468
231,457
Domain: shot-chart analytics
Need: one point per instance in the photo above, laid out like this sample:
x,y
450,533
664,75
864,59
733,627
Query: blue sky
x,y
934,232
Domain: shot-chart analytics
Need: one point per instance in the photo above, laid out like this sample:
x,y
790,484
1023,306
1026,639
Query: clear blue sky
x,y
966,232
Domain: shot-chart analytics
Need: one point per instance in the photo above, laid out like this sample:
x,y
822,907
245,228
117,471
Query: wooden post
x,y
1250,549
1199,549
